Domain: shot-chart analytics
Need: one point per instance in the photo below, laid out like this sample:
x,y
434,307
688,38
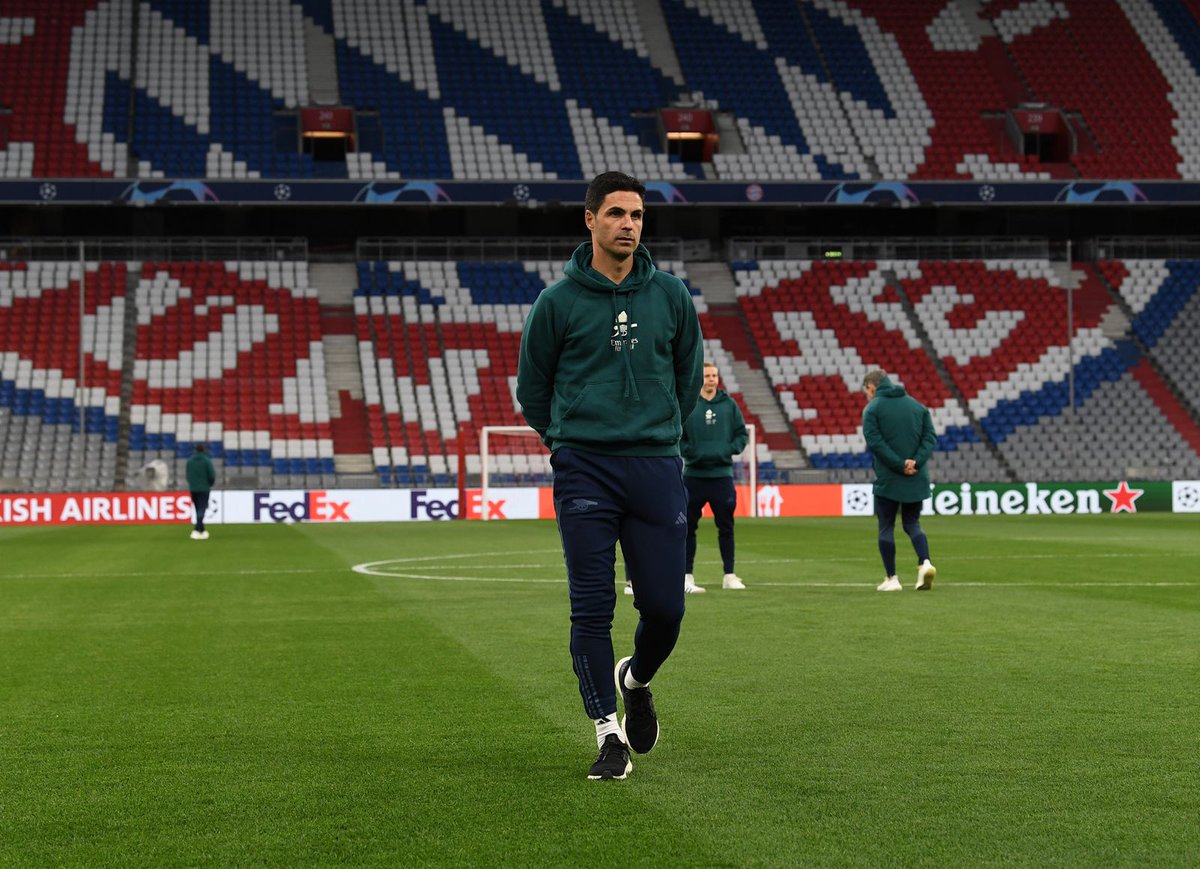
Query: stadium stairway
x,y
660,49
349,424
320,55
760,403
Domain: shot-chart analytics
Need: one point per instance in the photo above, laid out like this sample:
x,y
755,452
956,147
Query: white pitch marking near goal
x,y
749,455
393,568
405,568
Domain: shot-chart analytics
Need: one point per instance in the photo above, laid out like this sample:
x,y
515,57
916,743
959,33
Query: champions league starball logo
x,y
857,500
1185,496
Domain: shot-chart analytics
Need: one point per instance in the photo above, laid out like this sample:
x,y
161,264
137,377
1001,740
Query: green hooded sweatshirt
x,y
712,436
898,427
611,369
200,473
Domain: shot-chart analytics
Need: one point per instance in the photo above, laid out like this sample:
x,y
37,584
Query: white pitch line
x,y
380,569
444,578
955,584
158,574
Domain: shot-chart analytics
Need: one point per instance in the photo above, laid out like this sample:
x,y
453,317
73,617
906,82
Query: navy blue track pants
x,y
910,519
639,501
720,494
200,507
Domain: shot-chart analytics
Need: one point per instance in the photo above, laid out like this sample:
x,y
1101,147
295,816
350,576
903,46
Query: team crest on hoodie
x,y
622,334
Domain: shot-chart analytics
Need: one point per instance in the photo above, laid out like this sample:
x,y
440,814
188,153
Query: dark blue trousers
x,y
720,493
910,513
200,505
640,502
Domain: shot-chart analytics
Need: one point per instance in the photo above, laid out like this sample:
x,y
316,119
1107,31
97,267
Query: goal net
x,y
512,456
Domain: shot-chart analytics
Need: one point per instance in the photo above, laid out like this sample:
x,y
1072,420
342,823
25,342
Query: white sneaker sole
x,y
621,777
925,579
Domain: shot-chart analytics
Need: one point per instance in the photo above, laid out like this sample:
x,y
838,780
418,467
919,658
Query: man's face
x,y
869,389
711,380
617,227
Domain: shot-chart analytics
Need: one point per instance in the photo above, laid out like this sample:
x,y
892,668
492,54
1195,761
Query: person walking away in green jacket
x,y
609,367
712,436
899,433
200,477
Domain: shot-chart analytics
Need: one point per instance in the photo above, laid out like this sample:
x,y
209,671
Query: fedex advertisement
x,y
375,505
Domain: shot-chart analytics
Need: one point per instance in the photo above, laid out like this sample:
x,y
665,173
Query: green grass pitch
x,y
253,700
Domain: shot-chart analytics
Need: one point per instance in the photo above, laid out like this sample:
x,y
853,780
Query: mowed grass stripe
x,y
300,718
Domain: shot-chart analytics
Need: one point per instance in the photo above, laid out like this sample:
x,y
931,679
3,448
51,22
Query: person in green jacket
x,y
200,477
609,367
899,433
712,436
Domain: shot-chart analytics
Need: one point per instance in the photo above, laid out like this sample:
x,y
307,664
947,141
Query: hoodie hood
x,y
579,269
887,389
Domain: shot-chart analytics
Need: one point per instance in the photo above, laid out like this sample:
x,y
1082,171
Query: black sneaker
x,y
641,721
613,761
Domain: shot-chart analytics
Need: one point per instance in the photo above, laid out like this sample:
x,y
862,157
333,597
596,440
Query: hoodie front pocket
x,y
602,413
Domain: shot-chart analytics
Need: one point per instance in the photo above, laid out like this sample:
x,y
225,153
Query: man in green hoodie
x,y
899,433
712,436
610,366
200,477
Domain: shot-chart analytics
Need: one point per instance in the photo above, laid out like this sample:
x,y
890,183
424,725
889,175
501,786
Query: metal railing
x,y
140,249
556,249
859,249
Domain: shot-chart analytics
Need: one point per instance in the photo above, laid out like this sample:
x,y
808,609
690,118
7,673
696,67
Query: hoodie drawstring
x,y
631,390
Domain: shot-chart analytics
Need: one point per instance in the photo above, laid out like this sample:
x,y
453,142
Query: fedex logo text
x,y
421,506
313,507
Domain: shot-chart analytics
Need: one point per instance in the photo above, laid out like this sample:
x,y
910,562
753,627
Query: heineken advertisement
x,y
1060,499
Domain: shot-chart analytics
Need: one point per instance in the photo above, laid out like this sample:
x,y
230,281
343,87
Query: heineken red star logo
x,y
1123,498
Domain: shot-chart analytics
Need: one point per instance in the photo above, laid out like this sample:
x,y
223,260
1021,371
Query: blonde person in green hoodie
x,y
610,366
712,436
899,433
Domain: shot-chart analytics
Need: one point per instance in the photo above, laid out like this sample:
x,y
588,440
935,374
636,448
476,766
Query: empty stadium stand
x,y
233,354
61,376
229,354
819,89
1014,392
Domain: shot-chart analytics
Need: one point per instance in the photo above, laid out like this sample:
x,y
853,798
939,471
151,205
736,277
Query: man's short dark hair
x,y
611,182
874,377
201,448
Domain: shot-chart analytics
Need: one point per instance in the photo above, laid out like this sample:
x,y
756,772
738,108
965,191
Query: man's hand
x,y
910,467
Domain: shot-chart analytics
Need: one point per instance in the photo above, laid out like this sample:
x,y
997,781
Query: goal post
x,y
513,455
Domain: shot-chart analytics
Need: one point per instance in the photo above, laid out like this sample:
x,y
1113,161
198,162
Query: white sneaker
x,y
196,535
732,581
203,535
689,585
925,574
629,588
890,584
